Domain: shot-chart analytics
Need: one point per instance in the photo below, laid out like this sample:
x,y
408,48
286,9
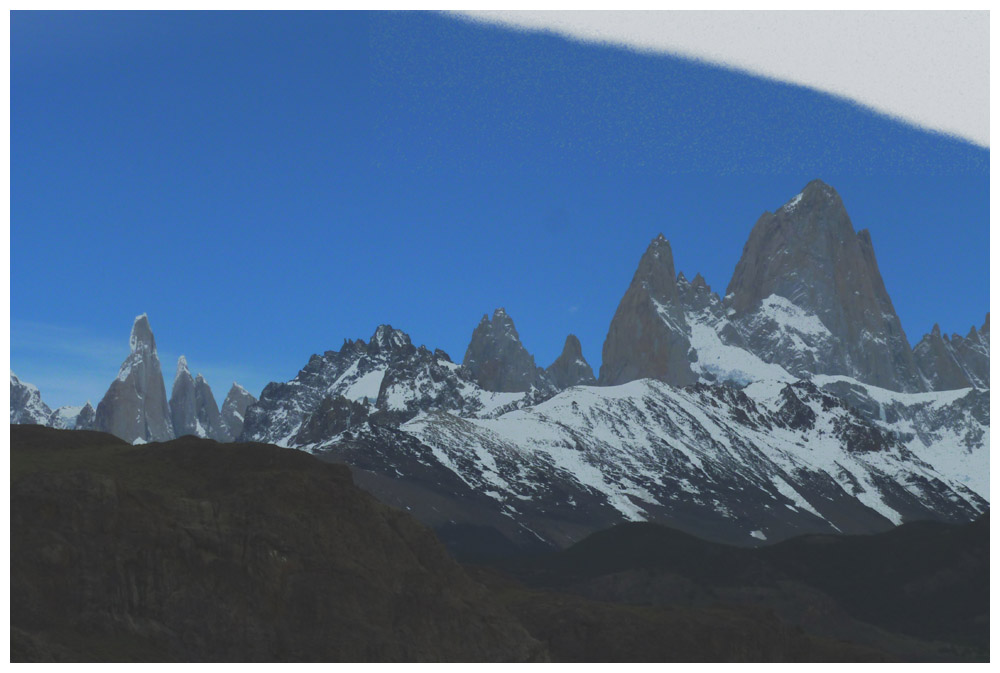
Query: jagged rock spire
x,y
956,362
135,406
496,357
648,336
570,368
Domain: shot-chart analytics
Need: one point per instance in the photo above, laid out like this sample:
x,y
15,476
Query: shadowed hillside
x,y
194,550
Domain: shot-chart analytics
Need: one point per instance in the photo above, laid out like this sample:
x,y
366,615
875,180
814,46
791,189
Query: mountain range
x,y
792,404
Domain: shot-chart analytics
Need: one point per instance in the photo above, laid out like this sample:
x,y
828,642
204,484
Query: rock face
x,y
570,368
182,403
207,411
86,418
193,410
803,261
135,406
497,358
956,362
234,409
648,337
198,551
26,406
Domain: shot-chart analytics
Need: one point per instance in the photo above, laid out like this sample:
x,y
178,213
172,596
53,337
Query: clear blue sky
x,y
265,185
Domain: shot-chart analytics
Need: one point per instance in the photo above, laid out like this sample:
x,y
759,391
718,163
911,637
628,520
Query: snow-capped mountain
x,y
26,404
64,418
792,405
387,375
27,407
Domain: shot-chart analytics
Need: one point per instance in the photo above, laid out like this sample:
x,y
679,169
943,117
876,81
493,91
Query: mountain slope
x,y
197,551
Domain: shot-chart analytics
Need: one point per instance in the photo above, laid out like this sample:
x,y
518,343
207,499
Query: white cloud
x,y
930,69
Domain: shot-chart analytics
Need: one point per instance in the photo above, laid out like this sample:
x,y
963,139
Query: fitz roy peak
x,y
794,405
808,254
135,406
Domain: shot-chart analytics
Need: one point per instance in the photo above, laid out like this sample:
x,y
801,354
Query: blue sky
x,y
266,185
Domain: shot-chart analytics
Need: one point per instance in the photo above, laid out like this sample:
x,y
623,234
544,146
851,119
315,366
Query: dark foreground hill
x,y
917,593
194,550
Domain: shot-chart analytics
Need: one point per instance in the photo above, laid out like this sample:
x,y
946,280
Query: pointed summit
x,y
135,406
656,270
182,402
386,339
648,336
85,419
957,362
570,368
234,409
935,360
141,338
809,254
209,421
497,358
